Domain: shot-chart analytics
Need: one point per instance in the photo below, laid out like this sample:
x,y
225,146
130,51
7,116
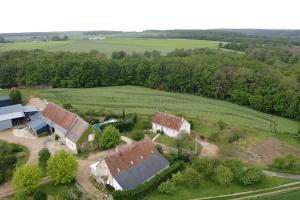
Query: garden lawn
x,y
293,195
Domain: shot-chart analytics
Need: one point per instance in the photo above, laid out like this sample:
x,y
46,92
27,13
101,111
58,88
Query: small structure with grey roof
x,y
130,166
5,101
10,115
37,125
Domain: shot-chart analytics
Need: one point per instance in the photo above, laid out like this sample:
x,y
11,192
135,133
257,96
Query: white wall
x,y
71,145
186,127
169,132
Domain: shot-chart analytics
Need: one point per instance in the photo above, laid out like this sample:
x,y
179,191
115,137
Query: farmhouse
x,y
68,126
15,114
171,125
130,165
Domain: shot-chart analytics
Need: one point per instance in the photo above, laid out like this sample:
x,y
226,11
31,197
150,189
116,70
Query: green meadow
x,y
107,46
204,112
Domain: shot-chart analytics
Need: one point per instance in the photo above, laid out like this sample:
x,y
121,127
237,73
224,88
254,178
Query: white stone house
x,y
171,125
130,166
67,125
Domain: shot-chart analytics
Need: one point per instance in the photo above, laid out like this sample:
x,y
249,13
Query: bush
x,y
159,149
234,137
109,188
287,162
16,96
235,166
251,176
67,106
138,135
62,167
214,136
39,195
177,178
223,175
56,137
142,190
2,176
206,166
71,194
44,156
110,137
26,179
222,125
167,187
192,177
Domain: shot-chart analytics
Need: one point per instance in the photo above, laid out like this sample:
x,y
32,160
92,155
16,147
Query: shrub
x,y
287,162
159,148
223,175
15,95
2,176
71,194
26,178
109,188
39,195
44,156
234,137
67,106
251,176
167,187
62,167
222,125
138,135
235,166
206,166
214,136
110,137
142,190
56,137
177,178
192,177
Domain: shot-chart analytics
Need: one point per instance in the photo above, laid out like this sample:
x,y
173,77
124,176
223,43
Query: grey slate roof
x,y
11,109
77,129
11,112
30,109
5,124
4,98
142,172
37,122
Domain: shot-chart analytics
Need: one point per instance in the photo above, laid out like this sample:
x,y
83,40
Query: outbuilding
x,y
5,101
37,125
10,115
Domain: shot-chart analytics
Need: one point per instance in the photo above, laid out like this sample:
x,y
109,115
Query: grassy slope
x,y
293,195
211,189
110,45
146,102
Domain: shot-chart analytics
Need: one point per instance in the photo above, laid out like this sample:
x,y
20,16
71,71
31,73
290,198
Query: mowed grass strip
x,y
109,45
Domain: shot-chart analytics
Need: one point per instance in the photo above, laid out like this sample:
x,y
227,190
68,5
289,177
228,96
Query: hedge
x,y
149,186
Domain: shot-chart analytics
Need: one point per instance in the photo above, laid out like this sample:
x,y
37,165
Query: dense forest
x,y
239,78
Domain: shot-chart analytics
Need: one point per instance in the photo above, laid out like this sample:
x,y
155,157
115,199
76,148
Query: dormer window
x,y
131,162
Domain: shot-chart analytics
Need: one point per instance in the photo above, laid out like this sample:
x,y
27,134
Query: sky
x,y
138,15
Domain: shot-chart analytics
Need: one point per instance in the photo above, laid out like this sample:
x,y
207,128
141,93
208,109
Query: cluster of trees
x,y
212,73
9,158
61,166
223,173
286,163
57,38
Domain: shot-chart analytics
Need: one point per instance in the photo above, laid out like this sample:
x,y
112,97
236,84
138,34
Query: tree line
x,y
230,76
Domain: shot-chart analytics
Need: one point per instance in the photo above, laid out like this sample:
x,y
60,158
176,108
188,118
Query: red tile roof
x,y
168,120
59,115
135,152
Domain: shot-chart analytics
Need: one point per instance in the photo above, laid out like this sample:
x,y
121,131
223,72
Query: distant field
x,y
109,45
144,101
